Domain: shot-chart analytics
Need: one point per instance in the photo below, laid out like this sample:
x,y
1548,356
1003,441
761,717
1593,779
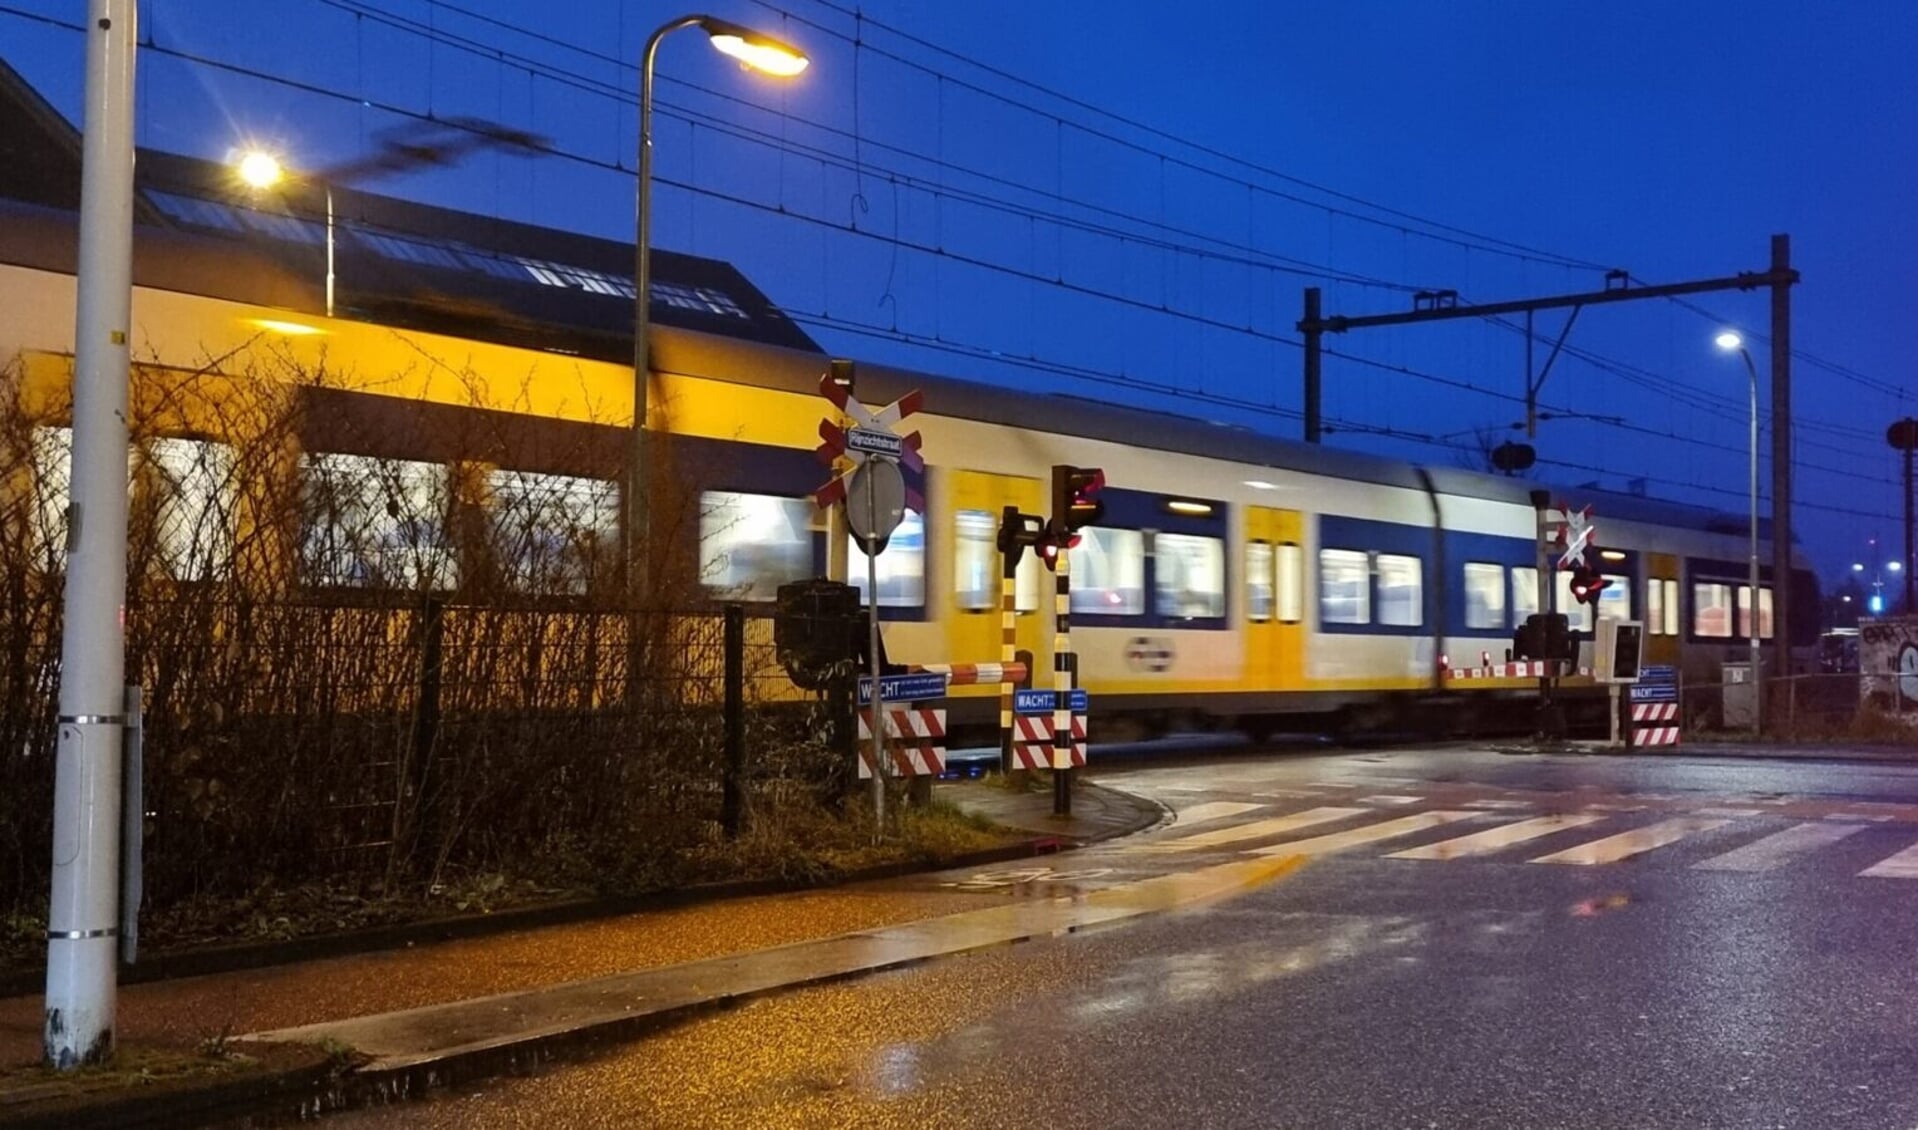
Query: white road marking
x,y
1390,798
1500,838
1624,845
1903,865
1779,847
1370,833
1258,829
1213,810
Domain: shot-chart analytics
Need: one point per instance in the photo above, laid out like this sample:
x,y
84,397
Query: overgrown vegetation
x,y
398,677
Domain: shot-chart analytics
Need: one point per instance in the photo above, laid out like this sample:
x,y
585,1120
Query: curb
x,y
259,955
1707,750
295,1091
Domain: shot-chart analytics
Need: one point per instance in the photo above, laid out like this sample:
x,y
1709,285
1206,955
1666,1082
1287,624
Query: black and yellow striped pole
x,y
1062,683
1010,549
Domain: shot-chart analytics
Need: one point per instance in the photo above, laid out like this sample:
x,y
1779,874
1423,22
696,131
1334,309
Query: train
x,y
1236,579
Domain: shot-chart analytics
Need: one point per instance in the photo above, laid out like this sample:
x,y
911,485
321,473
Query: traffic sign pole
x,y
878,688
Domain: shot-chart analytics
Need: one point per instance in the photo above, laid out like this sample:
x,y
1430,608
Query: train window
x,y
1671,607
1615,599
1484,595
193,511
1745,611
552,533
375,522
1655,607
1711,610
1258,581
750,544
976,564
1401,591
1108,572
1345,587
1291,580
1188,576
901,565
1524,593
1578,617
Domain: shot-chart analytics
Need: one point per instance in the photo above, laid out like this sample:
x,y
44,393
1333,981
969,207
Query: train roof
x,y
439,270
397,262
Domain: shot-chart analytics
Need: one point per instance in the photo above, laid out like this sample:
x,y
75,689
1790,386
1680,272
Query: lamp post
x,y
259,169
753,50
1730,341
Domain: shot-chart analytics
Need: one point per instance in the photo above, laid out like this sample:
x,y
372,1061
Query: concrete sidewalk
x,y
604,978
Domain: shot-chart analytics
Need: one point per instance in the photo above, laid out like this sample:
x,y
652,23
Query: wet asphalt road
x,y
1774,986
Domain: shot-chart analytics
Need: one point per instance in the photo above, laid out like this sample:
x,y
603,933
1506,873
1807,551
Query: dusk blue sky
x,y
977,218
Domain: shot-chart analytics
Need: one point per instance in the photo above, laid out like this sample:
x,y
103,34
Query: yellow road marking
x,y
1370,833
1779,847
1500,838
1611,849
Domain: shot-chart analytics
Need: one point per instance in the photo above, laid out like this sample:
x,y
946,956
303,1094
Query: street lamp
x,y
759,52
258,169
1729,340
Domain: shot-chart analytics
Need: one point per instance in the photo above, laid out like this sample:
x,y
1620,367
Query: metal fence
x,y
389,744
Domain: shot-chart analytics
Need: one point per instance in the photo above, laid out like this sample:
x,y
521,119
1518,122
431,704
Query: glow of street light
x,y
260,169
762,53
1729,340
1895,566
1858,566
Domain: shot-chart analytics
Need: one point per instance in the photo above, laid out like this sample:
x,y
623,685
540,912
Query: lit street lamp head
x,y
760,52
259,169
1729,340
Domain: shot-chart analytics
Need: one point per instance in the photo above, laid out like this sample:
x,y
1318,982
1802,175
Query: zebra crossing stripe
x,y
1213,810
1258,829
1903,865
1500,838
1370,833
1779,847
1611,849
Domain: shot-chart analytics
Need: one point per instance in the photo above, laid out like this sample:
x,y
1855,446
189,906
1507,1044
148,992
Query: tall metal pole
x,y
1910,607
1314,340
82,920
638,513
872,644
1758,683
1783,277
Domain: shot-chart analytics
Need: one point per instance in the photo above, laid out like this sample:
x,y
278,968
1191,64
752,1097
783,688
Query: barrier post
x,y
1062,686
1008,634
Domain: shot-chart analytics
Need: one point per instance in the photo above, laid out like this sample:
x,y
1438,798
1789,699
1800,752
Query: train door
x,y
1275,601
975,632
1664,624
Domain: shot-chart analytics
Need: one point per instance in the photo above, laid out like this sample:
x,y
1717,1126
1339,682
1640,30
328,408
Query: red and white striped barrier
x,y
976,674
916,742
1032,741
1645,728
1524,669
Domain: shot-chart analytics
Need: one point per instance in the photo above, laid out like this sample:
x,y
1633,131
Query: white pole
x,y
1757,676
83,917
878,699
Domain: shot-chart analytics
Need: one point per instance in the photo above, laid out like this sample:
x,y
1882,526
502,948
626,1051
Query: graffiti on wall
x,y
1888,659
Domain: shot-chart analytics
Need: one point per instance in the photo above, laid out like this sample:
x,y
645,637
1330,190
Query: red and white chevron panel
x,y
916,742
1646,719
1032,741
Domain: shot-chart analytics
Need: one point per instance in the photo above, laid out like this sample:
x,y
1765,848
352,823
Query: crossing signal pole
x,y
1075,505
